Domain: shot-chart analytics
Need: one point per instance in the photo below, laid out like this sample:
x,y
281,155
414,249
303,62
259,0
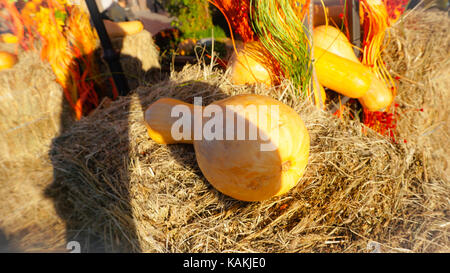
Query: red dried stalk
x,y
237,14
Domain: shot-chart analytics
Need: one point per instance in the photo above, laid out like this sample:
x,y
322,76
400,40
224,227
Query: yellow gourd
x,y
9,38
334,41
341,75
121,29
7,60
378,95
248,67
242,169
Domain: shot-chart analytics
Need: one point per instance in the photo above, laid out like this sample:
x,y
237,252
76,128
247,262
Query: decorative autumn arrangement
x,y
242,169
134,195
278,41
284,29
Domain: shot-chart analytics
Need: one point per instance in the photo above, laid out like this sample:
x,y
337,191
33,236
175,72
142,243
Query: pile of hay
x,y
31,107
33,112
117,190
139,58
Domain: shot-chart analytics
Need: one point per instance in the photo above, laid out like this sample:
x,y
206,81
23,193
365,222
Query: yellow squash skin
x,y
159,122
342,75
378,97
121,29
240,168
246,68
334,41
7,60
9,38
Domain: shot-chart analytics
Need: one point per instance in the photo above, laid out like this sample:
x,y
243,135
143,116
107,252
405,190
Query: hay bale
x,y
32,106
153,198
28,218
33,112
138,56
419,54
132,194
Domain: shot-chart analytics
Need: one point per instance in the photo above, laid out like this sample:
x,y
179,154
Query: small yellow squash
x,y
7,60
121,29
248,66
9,38
378,96
334,41
346,77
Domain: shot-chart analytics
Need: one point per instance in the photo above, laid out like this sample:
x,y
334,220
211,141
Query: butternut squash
x,y
240,168
121,29
342,75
